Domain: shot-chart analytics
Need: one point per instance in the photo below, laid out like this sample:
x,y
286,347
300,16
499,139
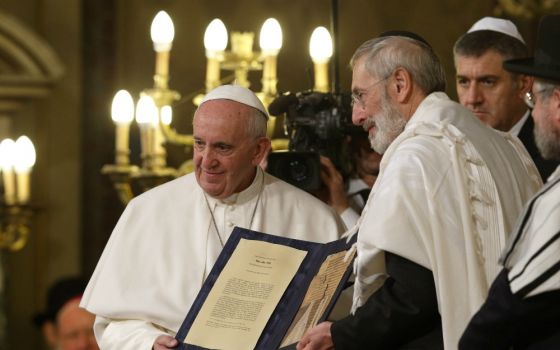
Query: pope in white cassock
x,y
168,238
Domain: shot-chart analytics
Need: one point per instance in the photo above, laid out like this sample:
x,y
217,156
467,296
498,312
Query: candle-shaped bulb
x,y
7,160
320,45
270,41
24,154
7,154
122,113
162,32
215,42
25,159
270,38
146,111
321,49
166,115
215,37
122,108
147,117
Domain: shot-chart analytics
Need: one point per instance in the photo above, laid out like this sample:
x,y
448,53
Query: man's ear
x,y
401,85
262,150
50,334
524,84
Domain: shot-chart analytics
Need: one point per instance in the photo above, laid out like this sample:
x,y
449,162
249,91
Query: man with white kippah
x,y
167,239
494,95
522,310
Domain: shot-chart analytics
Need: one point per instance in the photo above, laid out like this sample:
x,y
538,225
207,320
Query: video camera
x,y
316,124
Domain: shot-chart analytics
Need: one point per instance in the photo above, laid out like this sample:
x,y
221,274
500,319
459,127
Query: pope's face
x,y
225,156
489,91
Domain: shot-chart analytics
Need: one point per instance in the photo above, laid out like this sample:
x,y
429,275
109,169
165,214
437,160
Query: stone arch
x,y
28,65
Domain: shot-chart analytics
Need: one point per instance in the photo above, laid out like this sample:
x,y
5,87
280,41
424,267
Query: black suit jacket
x,y
527,137
402,314
507,321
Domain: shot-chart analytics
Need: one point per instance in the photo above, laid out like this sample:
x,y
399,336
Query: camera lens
x,y
301,169
298,170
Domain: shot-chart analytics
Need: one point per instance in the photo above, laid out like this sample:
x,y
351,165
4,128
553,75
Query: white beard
x,y
389,123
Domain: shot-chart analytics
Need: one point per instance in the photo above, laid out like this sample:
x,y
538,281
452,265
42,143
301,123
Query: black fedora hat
x,y
58,295
546,62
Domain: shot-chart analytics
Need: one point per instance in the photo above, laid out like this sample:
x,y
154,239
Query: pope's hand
x,y
164,342
317,338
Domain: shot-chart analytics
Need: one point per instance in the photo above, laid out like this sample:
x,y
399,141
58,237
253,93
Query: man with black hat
x,y
447,194
523,306
64,324
168,238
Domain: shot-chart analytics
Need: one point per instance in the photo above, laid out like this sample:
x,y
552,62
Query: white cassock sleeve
x,y
125,334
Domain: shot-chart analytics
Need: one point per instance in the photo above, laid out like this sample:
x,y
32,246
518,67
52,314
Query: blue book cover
x,y
308,299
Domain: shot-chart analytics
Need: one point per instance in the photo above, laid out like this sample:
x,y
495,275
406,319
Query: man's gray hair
x,y
384,55
257,124
477,43
545,87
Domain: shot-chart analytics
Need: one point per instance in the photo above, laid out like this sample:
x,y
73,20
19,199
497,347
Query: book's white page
x,y
245,295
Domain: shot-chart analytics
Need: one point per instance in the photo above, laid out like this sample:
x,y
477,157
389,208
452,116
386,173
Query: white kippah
x,y
497,25
236,93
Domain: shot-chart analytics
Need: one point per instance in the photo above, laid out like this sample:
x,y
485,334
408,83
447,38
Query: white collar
x,y
244,196
517,127
356,185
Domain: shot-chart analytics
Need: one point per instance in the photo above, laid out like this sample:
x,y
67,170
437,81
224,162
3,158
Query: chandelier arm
x,y
120,178
173,137
15,226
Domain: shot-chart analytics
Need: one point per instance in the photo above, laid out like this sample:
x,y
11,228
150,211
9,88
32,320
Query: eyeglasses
x,y
359,97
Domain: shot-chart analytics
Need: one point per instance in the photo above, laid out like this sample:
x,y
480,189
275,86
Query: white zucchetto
x,y
236,93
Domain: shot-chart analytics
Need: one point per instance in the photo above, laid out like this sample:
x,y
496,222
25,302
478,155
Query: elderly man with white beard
x,y
448,193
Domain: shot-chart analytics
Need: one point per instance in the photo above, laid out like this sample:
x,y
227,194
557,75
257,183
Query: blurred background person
x,y
65,326
349,196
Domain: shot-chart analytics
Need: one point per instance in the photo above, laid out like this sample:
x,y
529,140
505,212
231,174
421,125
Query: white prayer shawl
x,y
155,261
534,256
448,193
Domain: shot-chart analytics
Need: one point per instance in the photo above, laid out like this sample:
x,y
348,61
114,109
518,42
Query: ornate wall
x,y
40,94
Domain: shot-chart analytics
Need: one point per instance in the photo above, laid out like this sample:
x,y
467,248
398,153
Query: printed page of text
x,y
244,296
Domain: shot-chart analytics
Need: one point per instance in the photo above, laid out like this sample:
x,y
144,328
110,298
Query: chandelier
x,y
16,162
154,109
